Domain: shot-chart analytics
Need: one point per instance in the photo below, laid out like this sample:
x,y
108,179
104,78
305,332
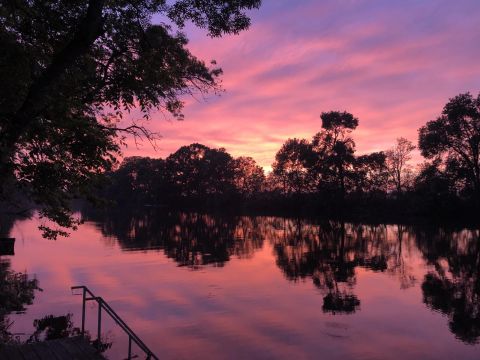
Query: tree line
x,y
323,173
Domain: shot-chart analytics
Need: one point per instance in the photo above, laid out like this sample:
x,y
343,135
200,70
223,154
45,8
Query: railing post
x,y
102,304
83,310
99,322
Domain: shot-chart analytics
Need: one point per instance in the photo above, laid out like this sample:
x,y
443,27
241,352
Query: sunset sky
x,y
393,64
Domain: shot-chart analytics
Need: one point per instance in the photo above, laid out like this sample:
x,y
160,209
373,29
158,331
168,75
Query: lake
x,y
197,286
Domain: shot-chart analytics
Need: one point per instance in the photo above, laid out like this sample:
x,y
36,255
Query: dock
x,y
73,348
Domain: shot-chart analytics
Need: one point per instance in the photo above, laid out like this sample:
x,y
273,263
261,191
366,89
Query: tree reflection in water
x,y
52,327
330,251
327,252
17,291
453,285
324,254
190,239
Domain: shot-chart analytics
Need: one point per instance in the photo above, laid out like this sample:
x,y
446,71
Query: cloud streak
x,y
392,64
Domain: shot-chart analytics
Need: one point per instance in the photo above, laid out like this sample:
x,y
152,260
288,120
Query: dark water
x,y
202,287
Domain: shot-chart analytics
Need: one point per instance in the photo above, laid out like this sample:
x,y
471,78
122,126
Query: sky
x,y
391,63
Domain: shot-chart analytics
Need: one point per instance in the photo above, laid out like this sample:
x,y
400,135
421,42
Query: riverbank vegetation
x,y
324,174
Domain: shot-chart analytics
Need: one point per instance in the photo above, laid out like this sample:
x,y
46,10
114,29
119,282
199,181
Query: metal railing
x,y
103,305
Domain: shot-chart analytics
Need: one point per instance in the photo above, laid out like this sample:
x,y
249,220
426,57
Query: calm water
x,y
196,286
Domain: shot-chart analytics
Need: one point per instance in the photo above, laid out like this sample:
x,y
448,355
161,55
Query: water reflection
x,y
452,286
324,253
391,282
327,252
17,291
191,239
52,327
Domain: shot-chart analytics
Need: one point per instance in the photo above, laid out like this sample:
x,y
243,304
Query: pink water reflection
x,y
249,307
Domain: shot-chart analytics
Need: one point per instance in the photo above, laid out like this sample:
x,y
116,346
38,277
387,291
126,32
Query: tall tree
x,y
370,173
436,186
290,166
249,178
139,180
454,138
398,165
197,170
334,150
70,69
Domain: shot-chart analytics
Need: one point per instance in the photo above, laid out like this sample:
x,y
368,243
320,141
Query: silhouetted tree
x,y
274,183
436,186
370,173
328,169
70,69
290,166
454,138
140,180
197,170
397,160
248,177
334,151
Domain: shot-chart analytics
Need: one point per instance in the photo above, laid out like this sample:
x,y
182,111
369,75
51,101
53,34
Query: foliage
x,y
370,173
334,151
291,166
197,170
436,187
71,69
328,162
452,286
323,175
454,139
249,178
16,291
52,327
397,161
138,180
194,173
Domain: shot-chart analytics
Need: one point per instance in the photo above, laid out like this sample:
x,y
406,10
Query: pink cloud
x,y
392,65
